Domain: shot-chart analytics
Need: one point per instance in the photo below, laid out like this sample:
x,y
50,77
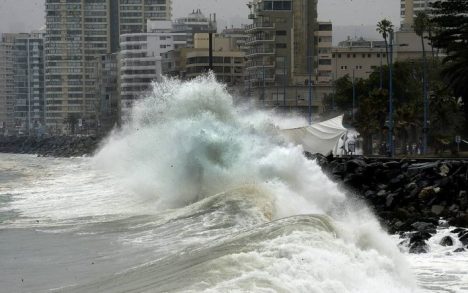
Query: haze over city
x,y
350,17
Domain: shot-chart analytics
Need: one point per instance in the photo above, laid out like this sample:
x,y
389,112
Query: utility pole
x,y
285,80
381,70
354,93
309,61
210,46
390,99
426,104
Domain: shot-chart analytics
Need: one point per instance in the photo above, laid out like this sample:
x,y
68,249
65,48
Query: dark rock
x,y
382,193
446,241
424,227
458,230
389,201
352,165
392,165
419,247
420,236
464,238
437,209
411,186
459,250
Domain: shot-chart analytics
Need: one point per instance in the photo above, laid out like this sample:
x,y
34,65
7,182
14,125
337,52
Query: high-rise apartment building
x,y
79,33
283,54
29,83
22,83
7,94
133,14
410,8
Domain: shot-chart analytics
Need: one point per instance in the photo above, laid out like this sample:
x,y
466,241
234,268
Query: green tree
x,y
385,28
370,118
451,35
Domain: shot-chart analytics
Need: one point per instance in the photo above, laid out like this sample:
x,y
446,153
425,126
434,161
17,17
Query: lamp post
x,y
426,105
285,80
354,93
390,98
309,63
381,70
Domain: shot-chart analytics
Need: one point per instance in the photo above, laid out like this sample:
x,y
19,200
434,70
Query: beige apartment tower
x,y
283,50
80,32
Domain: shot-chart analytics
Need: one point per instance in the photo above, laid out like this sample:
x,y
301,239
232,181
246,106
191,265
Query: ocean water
x,y
196,194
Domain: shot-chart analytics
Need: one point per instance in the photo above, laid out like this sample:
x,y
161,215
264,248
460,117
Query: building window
x,y
277,5
281,33
325,62
281,46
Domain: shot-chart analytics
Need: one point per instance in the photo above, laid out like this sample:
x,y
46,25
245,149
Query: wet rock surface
x,y
57,146
407,195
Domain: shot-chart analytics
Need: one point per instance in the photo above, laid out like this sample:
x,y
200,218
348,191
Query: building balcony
x,y
259,26
261,52
252,65
260,40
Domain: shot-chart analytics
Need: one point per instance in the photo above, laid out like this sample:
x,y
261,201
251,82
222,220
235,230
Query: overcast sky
x,y
25,15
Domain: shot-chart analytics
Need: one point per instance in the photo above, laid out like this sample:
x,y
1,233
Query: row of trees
x,y
443,81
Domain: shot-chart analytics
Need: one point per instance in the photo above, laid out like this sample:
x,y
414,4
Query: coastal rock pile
x,y
57,146
407,195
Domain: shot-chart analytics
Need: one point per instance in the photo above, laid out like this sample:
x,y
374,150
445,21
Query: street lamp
x,y
310,64
390,99
426,105
354,93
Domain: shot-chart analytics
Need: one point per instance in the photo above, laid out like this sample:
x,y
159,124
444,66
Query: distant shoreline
x,y
55,146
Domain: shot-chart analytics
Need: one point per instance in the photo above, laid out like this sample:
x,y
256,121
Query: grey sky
x,y
25,15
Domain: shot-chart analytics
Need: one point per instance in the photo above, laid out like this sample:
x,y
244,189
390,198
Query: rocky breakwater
x,y
411,197
56,146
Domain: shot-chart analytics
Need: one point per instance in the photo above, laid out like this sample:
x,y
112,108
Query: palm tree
x,y
385,28
421,25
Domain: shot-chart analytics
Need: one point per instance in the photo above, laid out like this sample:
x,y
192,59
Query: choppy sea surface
x,y
198,195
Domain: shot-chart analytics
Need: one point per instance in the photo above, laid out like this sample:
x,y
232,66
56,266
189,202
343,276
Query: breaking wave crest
x,y
188,146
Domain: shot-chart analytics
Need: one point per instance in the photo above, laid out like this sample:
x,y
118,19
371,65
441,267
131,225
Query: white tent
x,y
323,137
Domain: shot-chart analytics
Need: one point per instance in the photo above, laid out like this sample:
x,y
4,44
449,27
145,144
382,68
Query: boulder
x,y
446,241
419,248
424,227
437,209
464,238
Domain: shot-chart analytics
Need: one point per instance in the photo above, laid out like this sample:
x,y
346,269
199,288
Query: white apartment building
x,y
141,60
358,58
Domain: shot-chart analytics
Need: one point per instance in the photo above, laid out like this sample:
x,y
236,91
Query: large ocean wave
x,y
188,152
